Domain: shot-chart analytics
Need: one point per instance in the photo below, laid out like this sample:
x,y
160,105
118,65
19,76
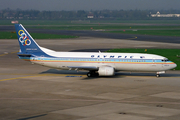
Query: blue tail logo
x,y
27,44
24,39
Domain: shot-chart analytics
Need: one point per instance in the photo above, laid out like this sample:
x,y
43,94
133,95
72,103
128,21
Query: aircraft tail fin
x,y
27,44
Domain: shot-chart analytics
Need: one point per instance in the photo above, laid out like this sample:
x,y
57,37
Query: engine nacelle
x,y
106,71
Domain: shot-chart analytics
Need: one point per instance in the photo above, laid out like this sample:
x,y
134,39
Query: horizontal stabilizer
x,y
24,55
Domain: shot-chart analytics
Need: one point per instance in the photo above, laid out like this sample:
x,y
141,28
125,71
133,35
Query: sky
x,y
57,5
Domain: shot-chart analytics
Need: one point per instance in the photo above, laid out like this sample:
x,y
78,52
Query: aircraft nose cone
x,y
174,65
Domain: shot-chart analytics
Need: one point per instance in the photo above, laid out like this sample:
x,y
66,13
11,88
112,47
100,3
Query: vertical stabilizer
x,y
26,42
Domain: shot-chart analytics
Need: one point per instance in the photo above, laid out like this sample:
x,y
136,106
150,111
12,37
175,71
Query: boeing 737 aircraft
x,y
97,63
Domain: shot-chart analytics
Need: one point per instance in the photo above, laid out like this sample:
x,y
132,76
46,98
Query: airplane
x,y
97,63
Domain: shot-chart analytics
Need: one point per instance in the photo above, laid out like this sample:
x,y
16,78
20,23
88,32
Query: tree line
x,y
81,14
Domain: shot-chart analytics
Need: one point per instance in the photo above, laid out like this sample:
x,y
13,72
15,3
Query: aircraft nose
x,y
174,65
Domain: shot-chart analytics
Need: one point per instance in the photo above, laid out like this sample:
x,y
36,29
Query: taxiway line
x,y
3,54
18,78
89,100
68,75
38,76
131,38
8,53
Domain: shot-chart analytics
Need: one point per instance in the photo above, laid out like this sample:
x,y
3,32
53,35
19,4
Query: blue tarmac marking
x,y
73,76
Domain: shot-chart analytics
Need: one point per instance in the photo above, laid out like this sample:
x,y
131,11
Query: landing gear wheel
x,y
157,75
89,74
92,74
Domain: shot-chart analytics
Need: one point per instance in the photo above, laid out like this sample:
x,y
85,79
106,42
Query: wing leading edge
x,y
83,67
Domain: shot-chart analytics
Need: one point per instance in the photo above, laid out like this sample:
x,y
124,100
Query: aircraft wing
x,y
83,67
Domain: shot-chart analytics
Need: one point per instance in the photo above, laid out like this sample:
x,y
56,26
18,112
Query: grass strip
x,y
94,21
13,35
151,32
116,28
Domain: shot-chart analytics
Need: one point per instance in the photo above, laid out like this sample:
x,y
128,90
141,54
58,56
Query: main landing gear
x,y
92,74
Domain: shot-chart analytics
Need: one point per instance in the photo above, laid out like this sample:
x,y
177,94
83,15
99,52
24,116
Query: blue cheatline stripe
x,y
92,60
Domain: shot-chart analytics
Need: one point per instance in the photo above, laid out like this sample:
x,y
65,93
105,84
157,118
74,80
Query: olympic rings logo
x,y
24,38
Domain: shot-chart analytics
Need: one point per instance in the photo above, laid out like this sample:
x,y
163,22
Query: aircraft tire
x,y
92,74
89,74
157,75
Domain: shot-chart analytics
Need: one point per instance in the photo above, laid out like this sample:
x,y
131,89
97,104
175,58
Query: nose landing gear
x,y
158,73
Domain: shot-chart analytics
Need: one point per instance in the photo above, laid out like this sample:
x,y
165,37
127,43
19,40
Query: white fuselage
x,y
119,61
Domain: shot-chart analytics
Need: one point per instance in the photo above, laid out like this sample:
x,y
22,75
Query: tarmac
x,y
33,92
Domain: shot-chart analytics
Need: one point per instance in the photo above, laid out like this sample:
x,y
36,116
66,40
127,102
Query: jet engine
x,y
106,71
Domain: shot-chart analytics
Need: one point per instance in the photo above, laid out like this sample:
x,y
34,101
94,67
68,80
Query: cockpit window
x,y
164,60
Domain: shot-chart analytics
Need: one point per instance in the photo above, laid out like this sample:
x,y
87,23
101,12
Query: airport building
x,y
164,15
90,16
